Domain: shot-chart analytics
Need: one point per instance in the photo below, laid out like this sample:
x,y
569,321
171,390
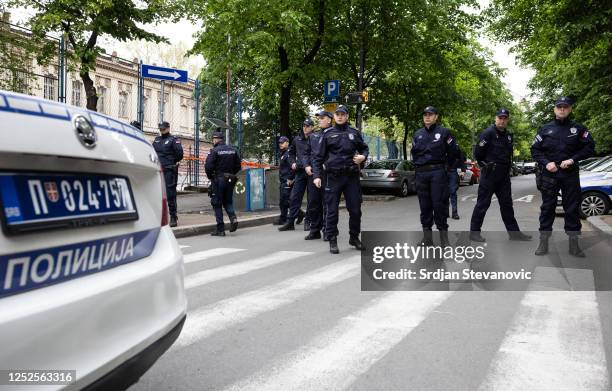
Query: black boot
x,y
427,239
355,242
313,235
300,216
574,247
333,245
306,225
519,236
444,239
233,223
287,227
279,222
173,221
543,246
218,233
455,215
476,237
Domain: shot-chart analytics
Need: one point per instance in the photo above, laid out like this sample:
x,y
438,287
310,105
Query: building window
x,y
123,104
49,88
101,100
145,109
20,82
77,87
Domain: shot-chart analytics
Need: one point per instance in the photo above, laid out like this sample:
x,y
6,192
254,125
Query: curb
x,y
599,225
200,229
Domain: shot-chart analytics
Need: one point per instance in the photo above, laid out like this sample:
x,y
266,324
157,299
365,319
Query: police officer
x,y
494,154
341,149
557,148
453,180
315,194
170,153
285,176
222,165
433,146
299,156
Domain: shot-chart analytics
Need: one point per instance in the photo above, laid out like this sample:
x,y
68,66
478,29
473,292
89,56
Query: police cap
x,y
564,101
324,113
430,109
164,125
503,112
218,135
282,139
342,109
308,122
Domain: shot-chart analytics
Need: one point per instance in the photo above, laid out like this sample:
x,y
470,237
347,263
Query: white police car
x,y
596,189
91,276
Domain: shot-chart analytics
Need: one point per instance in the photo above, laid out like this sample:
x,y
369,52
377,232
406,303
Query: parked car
x,y
92,275
528,168
467,178
515,170
393,175
595,163
596,189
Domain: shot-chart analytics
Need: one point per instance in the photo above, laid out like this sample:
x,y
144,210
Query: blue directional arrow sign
x,y
153,72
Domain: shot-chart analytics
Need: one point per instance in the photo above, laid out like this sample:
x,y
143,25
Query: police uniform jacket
x,y
435,145
561,140
494,146
299,152
336,148
169,150
284,167
222,159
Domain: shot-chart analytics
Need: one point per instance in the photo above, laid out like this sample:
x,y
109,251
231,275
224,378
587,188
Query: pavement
x,y
270,311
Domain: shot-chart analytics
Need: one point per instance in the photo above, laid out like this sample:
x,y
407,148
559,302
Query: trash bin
x,y
255,189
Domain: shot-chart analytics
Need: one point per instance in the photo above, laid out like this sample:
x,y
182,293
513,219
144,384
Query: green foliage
x,y
569,44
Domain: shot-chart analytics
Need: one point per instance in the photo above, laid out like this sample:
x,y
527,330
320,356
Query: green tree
x,y
569,45
84,21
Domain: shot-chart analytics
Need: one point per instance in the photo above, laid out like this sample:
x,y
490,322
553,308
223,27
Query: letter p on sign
x,y
332,88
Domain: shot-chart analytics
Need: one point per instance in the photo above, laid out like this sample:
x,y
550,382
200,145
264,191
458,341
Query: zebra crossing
x,y
260,338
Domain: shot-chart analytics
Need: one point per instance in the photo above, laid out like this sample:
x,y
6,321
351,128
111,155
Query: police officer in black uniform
x,y
433,146
458,163
285,177
315,194
299,156
222,165
342,150
494,154
170,153
557,148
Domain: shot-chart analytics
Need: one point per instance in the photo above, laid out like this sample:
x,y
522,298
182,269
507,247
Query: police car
x,y
91,276
596,189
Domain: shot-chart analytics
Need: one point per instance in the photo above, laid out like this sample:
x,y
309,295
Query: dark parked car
x,y
395,176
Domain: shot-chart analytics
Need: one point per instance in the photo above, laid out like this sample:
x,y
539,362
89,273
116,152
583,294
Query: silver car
x,y
395,176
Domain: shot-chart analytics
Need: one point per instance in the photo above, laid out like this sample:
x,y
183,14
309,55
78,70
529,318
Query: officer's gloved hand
x,y
566,163
317,182
358,159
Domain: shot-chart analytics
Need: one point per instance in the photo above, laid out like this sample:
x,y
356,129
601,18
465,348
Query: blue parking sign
x,y
332,88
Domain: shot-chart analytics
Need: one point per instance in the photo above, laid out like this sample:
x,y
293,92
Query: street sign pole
x,y
140,115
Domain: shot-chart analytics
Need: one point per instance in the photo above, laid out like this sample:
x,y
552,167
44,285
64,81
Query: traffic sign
x,y
155,72
331,107
332,89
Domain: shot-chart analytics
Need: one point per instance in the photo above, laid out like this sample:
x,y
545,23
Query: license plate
x,y
373,174
33,202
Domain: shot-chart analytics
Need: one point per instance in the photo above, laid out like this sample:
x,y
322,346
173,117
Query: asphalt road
x,y
268,310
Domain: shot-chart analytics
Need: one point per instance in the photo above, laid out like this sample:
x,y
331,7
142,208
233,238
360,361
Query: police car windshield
x,y
597,163
604,167
383,165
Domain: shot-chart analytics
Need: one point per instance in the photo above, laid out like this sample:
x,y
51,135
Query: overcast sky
x,y
516,78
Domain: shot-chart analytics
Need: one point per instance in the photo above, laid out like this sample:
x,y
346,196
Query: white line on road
x,y
334,360
555,343
207,254
240,268
182,246
206,321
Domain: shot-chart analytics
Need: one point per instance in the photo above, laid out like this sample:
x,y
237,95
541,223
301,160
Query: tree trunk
x,y
90,91
406,123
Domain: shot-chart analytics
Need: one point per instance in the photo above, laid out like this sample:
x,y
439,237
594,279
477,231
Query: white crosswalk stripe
x,y
182,246
204,322
207,254
241,268
554,343
334,360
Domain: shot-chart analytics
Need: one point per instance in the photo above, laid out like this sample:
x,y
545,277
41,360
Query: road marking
x,y
208,320
555,343
182,246
334,360
207,254
240,268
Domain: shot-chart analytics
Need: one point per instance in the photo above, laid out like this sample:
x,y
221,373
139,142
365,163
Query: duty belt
x,y
352,170
429,167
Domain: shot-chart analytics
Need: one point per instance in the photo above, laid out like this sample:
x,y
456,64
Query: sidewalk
x,y
602,224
